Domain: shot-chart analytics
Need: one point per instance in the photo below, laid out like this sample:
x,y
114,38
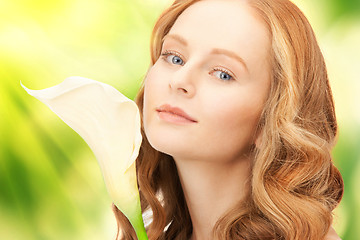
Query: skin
x,y
219,106
212,153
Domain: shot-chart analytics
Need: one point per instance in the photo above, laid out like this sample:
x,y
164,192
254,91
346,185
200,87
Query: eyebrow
x,y
216,51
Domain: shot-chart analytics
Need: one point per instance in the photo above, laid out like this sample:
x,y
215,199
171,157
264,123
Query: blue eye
x,y
173,58
177,60
222,74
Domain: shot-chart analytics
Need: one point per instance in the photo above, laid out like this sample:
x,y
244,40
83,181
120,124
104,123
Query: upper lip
x,y
175,110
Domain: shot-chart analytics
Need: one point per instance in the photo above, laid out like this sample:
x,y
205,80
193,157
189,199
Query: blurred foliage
x,y
50,184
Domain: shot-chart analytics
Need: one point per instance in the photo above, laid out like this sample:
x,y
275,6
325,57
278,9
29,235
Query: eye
x,y
222,74
172,57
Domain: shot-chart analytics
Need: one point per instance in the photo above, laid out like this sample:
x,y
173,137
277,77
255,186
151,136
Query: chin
x,y
161,144
168,144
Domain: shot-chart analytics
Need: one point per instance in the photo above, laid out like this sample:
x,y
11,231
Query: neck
x,y
211,189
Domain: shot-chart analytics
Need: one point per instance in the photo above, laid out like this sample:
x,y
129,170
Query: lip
x,y
174,114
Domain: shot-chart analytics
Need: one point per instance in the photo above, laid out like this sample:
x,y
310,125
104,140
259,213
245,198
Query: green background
x,y
50,184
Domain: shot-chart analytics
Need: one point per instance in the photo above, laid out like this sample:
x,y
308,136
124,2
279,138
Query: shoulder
x,y
332,235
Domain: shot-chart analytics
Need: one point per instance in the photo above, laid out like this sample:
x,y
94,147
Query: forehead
x,y
225,24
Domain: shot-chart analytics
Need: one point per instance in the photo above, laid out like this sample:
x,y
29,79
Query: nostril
x,y
184,90
187,90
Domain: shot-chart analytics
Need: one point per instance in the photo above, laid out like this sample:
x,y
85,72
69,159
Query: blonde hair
x,y
294,185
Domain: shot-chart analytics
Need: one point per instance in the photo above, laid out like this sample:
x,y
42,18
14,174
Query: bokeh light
x,y
50,184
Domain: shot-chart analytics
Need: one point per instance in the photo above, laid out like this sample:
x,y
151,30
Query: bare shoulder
x,y
332,235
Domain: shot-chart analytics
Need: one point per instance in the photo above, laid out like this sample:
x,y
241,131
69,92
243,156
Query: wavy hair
x,y
294,184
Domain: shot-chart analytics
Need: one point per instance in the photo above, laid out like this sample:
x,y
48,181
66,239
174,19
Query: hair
x,y
294,184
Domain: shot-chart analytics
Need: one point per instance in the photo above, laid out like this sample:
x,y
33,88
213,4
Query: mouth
x,y
174,114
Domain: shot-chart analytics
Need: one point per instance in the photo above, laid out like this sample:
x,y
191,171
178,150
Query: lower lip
x,y
173,118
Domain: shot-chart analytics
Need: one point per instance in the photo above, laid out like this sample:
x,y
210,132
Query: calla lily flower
x,y
109,123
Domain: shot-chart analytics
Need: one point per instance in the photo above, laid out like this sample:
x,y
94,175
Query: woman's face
x,y
214,68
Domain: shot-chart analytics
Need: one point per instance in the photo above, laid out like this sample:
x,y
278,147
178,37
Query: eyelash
x,y
166,53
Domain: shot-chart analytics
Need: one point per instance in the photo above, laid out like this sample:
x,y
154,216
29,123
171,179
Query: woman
x,y
238,125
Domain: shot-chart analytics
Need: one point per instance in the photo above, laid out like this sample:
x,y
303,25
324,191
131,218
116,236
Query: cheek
x,y
239,124
234,124
152,88
153,85
238,109
148,99
241,115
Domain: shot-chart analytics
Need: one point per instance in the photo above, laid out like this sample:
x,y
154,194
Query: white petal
x,y
108,121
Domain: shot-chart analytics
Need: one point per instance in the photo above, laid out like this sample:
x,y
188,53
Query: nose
x,y
183,81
